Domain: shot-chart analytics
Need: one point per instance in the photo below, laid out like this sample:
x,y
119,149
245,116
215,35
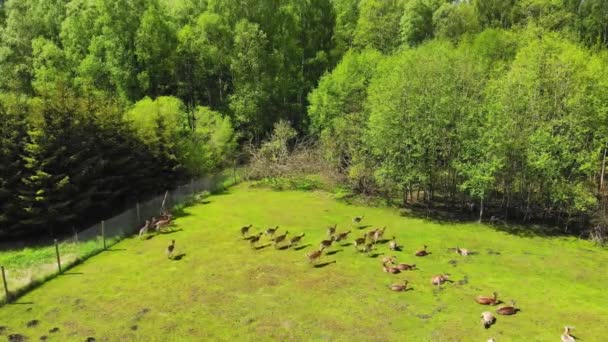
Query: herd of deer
x,y
366,244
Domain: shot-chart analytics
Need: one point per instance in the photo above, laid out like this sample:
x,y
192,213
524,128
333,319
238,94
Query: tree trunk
x,y
603,169
480,209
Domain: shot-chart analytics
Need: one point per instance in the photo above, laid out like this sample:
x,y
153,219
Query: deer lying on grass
x,y
399,287
440,279
486,300
487,319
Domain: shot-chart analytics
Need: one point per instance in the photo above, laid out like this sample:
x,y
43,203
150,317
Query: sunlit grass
x,y
223,290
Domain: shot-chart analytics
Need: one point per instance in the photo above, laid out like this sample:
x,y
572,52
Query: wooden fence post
x,y
103,233
138,213
8,295
57,253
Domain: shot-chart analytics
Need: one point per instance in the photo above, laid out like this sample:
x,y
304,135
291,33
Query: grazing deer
x,y
170,249
368,248
389,260
370,235
144,230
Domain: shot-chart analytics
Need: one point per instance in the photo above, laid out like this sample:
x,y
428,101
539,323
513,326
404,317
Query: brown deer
x,y
359,242
390,269
295,240
245,230
422,252
440,279
162,223
378,234
486,300
314,256
280,239
331,230
399,287
342,236
508,310
271,231
254,239
327,243
358,219
406,267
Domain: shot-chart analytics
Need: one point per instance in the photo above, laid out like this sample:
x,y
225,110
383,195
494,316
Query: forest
x,y
495,105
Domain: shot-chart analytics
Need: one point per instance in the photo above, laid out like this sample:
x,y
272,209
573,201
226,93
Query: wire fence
x,y
44,262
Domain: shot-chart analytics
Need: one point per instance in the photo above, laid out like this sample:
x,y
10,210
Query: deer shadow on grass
x,y
364,226
299,248
257,248
334,252
179,257
346,244
324,264
375,255
166,232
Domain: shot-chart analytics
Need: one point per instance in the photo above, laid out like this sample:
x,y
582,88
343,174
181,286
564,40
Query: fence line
x,y
102,235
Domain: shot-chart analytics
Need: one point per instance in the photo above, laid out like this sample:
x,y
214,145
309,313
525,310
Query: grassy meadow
x,y
221,289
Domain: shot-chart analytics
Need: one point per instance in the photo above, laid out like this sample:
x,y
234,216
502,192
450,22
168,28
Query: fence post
x,y
57,253
103,233
138,213
8,295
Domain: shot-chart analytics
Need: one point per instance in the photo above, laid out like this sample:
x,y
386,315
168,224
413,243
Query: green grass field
x,y
222,289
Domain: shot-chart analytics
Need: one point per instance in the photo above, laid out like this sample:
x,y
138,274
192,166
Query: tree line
x,y
104,101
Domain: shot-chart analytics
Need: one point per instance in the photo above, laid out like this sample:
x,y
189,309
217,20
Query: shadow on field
x,y
346,244
375,255
165,232
451,214
325,264
299,248
334,252
115,250
364,227
262,246
179,257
